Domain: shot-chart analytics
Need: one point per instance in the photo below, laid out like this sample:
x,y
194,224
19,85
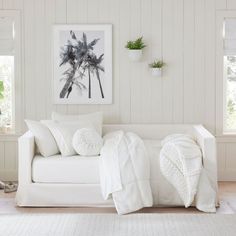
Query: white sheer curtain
x,y
230,36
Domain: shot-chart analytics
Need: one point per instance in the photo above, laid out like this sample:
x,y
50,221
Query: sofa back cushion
x,y
96,119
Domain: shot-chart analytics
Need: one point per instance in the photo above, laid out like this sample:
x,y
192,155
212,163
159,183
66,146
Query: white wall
x,y
182,32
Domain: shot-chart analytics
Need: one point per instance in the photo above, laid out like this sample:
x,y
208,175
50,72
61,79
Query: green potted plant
x,y
156,67
1,90
135,49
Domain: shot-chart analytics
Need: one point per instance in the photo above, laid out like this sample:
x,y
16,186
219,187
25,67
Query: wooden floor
x,y
227,196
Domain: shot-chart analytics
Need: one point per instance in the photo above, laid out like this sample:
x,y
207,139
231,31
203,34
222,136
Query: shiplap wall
x,y
181,32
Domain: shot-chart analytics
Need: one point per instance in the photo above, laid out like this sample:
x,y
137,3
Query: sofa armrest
x,y
26,150
207,143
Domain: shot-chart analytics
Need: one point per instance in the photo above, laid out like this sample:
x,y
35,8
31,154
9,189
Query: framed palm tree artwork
x,y
82,64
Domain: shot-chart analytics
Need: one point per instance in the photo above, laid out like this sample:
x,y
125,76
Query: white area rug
x,y
114,225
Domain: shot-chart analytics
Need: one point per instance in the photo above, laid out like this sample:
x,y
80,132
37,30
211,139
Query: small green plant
x,y
157,64
230,107
136,44
1,90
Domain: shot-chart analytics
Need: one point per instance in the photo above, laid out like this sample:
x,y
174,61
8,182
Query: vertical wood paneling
x,y
146,78
104,11
49,21
8,160
221,4
8,4
40,80
136,91
82,11
181,32
29,52
156,51
209,82
114,19
16,157
199,62
168,47
230,156
92,6
189,30
178,65
18,4
221,156
125,81
60,11
231,4
75,11
104,15
10,155
2,156
19,60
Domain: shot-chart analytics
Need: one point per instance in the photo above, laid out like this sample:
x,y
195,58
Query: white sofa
x,y
74,181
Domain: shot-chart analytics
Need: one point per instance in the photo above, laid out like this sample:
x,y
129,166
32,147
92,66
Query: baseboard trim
x,y
8,175
227,175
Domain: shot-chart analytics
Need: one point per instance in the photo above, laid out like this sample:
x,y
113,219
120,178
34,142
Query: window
x,y
6,94
9,70
230,77
225,73
229,37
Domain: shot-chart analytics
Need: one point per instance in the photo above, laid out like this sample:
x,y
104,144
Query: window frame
x,y
17,98
221,107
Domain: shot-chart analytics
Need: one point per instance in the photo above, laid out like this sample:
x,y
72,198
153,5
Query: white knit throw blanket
x,y
181,164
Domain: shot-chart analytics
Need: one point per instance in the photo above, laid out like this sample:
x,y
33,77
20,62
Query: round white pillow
x,y
87,142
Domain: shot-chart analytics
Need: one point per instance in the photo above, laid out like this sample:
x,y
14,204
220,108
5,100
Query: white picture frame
x,y
82,64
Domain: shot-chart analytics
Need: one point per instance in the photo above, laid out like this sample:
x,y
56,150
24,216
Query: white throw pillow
x,y
95,119
63,133
44,140
87,142
173,137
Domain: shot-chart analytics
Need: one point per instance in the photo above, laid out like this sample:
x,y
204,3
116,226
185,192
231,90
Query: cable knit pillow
x,y
87,142
173,137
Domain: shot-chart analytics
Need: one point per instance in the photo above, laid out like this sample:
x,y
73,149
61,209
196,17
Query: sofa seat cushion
x,y
73,169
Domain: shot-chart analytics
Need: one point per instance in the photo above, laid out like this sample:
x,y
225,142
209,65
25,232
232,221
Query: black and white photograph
x,y
82,64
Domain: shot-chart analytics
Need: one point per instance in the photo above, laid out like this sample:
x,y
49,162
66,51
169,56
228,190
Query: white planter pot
x,y
135,55
156,72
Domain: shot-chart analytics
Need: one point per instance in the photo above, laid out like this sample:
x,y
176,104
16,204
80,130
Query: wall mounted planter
x,y
157,72
135,54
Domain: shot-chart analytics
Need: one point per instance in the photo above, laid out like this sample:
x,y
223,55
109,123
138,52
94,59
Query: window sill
x,y
8,135
226,138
